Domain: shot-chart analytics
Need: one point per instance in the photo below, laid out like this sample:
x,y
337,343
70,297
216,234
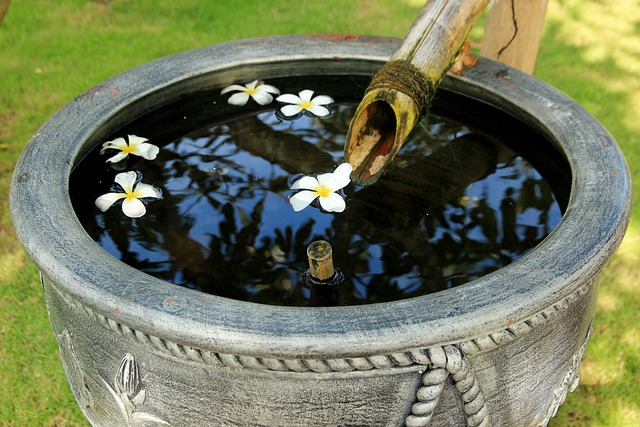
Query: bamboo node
x,y
404,77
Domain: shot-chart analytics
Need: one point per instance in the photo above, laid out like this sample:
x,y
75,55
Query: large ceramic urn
x,y
502,350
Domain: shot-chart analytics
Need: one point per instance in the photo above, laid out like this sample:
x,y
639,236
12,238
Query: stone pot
x,y
500,350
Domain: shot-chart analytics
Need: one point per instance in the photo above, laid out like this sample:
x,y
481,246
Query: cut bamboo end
x,y
401,92
377,133
393,103
320,256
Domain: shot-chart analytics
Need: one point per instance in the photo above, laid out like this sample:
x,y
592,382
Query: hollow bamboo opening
x,y
402,90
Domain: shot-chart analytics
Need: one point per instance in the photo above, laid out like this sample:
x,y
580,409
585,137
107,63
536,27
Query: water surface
x,y
462,199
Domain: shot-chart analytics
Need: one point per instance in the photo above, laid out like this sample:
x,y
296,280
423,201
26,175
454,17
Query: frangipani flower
x,y
304,103
260,92
324,188
133,195
136,146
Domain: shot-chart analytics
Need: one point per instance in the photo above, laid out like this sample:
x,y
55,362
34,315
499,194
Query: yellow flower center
x,y
323,191
251,91
129,149
131,195
307,105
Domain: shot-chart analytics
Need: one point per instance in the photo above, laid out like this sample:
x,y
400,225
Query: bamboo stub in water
x,y
320,256
402,90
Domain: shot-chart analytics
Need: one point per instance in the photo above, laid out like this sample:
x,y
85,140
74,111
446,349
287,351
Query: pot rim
x,y
590,231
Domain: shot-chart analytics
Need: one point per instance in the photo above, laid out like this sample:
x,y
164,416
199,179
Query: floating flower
x,y
324,188
136,146
133,194
304,103
260,92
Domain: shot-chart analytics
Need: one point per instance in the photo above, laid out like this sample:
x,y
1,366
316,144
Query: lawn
x,y
53,51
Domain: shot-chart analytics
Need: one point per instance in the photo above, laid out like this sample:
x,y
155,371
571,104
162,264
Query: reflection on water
x,y
457,204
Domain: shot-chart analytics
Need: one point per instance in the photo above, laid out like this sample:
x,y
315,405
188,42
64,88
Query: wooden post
x,y
4,6
512,32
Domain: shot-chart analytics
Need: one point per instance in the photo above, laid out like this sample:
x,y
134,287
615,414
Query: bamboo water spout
x,y
401,92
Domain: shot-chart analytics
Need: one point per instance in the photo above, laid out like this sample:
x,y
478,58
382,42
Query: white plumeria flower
x,y
260,92
303,102
136,146
133,191
324,188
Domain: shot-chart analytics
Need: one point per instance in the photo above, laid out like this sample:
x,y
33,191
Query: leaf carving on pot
x,y
127,379
129,393
74,370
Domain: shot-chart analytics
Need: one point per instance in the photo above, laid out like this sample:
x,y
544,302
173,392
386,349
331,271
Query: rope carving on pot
x,y
469,348
435,364
448,361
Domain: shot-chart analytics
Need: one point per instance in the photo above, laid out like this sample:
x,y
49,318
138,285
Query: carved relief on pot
x,y
129,393
74,370
569,383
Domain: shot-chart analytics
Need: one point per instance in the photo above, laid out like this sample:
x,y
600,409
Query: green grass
x,y
52,51
591,51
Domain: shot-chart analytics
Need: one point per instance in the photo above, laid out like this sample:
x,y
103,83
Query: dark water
x,y
459,202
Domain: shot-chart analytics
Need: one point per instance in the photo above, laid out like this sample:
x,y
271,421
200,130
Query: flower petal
x,y
117,144
305,183
289,98
338,179
133,139
322,100
126,180
318,110
232,88
133,208
238,99
305,95
291,110
327,180
269,88
262,98
148,151
252,85
105,201
146,190
117,157
302,199
333,203
341,176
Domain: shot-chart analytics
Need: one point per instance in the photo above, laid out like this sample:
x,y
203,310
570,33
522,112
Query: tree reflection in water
x,y
456,205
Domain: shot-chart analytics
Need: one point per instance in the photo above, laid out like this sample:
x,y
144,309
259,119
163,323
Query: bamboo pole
x,y
401,92
513,31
